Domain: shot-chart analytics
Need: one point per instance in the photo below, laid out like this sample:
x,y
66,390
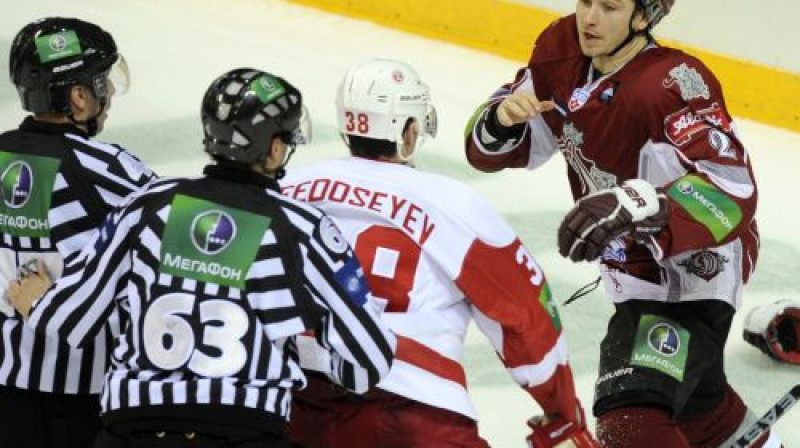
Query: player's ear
x,y
639,21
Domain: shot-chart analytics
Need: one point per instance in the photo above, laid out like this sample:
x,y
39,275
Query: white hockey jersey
x,y
436,255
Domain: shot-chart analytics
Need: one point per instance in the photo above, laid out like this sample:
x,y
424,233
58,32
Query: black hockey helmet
x,y
244,109
51,55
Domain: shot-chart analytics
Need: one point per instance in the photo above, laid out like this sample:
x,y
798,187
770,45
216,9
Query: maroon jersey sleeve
x,y
714,202
555,52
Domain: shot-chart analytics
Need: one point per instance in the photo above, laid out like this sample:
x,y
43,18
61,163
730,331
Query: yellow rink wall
x,y
509,29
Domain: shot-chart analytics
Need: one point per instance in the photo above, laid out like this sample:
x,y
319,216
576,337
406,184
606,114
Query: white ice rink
x,y
176,47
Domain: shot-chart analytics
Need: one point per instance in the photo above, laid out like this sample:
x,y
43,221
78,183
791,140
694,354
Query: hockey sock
x,y
639,427
713,428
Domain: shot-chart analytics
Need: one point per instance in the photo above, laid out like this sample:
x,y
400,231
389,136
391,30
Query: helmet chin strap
x,y
631,35
280,172
91,122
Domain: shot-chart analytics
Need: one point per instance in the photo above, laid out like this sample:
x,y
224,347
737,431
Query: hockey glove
x,y
558,433
634,208
775,330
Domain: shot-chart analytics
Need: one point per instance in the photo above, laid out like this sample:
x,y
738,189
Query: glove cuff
x,y
639,198
775,330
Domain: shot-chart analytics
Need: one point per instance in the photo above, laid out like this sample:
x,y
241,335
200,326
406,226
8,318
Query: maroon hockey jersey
x,y
661,117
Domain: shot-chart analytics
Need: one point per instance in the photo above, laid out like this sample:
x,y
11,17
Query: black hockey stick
x,y
763,424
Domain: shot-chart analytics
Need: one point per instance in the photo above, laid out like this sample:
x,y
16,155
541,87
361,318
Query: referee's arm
x,y
361,347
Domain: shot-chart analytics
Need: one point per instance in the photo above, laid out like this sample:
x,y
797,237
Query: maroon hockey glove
x,y
634,208
558,433
775,330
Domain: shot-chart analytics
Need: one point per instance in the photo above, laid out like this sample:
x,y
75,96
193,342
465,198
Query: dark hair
x,y
373,148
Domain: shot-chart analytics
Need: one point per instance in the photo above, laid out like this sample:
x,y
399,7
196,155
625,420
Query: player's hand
x,y
775,330
520,107
635,208
555,432
30,286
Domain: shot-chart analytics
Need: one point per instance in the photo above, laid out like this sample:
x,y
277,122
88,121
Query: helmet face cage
x,y
244,109
376,99
51,55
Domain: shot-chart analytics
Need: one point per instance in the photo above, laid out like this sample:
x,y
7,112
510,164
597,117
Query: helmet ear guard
x,y
377,98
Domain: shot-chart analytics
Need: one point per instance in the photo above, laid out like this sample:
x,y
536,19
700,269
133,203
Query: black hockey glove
x,y
775,330
634,208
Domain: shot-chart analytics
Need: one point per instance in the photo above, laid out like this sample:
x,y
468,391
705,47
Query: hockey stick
x,y
763,424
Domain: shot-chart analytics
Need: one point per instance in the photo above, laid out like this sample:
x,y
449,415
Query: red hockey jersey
x,y
660,117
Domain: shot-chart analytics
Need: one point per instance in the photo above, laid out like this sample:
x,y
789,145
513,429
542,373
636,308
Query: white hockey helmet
x,y
378,96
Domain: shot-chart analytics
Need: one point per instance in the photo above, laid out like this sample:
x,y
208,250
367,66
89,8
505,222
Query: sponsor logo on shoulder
x,y
690,82
681,126
705,264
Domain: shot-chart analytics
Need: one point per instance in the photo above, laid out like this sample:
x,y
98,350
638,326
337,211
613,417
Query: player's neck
x,y
606,64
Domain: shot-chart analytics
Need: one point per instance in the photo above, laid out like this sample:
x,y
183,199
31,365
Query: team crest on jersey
x,y
705,264
592,178
689,81
578,99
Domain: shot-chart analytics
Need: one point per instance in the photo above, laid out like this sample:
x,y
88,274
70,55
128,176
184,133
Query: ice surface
x,y
175,48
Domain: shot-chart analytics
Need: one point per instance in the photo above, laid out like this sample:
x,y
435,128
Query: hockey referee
x,y
215,277
58,184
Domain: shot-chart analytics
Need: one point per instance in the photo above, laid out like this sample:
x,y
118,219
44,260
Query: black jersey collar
x,y
241,175
31,124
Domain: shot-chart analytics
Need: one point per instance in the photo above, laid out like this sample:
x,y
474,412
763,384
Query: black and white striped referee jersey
x,y
57,187
214,277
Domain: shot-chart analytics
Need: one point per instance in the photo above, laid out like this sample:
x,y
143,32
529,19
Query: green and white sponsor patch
x,y
546,299
209,242
707,205
27,188
56,46
267,88
661,344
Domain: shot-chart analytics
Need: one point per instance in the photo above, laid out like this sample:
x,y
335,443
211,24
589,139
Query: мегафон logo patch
x,y
213,231
17,184
664,339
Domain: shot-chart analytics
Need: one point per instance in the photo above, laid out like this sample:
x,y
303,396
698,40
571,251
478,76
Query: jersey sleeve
x,y
360,348
714,202
512,306
489,147
113,172
78,304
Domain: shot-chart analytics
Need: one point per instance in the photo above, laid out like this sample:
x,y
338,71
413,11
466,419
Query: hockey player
x,y
58,184
433,265
665,199
215,277
775,330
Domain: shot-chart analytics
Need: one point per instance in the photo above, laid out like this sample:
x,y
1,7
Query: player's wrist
x,y
491,124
